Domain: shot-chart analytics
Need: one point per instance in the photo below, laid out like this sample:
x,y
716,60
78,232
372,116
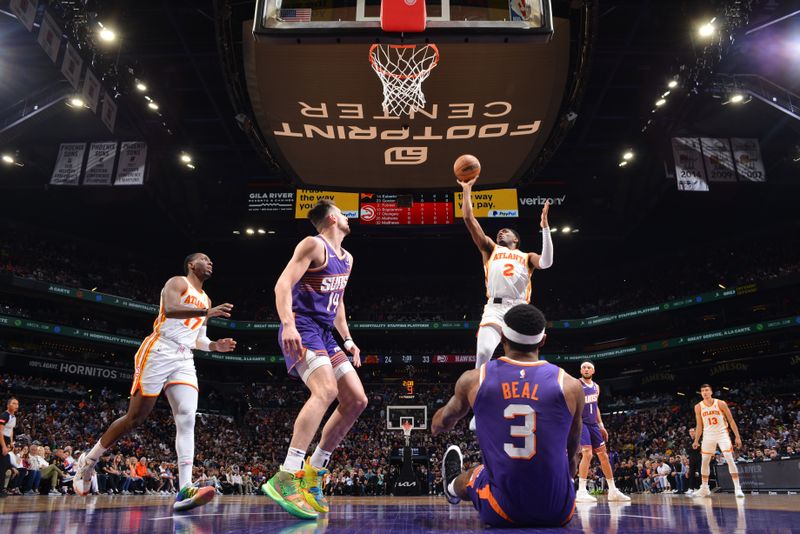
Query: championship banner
x,y
307,199
72,65
69,164
689,164
50,37
91,90
747,155
490,203
25,10
718,159
132,161
100,163
109,115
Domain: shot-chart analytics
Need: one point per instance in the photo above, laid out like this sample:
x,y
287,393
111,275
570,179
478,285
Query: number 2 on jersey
x,y
508,269
527,430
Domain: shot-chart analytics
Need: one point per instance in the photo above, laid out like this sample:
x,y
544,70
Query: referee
x,y
695,458
8,420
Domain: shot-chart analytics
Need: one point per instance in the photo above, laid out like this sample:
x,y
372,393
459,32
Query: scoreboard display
x,y
406,209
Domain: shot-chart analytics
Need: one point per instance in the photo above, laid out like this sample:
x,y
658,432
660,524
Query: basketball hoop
x,y
407,426
402,69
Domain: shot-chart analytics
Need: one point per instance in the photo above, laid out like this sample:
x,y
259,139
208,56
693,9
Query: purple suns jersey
x,y
590,407
318,293
523,423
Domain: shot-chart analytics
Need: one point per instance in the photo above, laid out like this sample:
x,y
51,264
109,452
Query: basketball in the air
x,y
467,167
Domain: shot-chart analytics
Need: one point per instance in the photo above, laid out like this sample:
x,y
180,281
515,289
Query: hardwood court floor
x,y
720,514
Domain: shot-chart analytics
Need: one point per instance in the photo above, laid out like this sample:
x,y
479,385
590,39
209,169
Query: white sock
x,y
581,484
320,458
185,473
451,488
96,452
611,485
294,460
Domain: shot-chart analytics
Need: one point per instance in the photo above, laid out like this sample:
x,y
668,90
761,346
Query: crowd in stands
x,y
648,444
597,291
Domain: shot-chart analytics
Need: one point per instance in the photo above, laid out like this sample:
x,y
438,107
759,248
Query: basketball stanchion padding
x,y
403,15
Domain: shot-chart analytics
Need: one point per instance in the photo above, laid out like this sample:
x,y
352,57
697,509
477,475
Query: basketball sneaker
x,y
82,481
739,494
312,487
702,492
191,497
284,488
616,495
452,465
584,496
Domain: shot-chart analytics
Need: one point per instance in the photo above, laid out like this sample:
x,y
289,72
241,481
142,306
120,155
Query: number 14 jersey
x,y
317,294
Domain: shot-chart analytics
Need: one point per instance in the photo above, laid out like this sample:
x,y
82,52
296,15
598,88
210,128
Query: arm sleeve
x,y
203,343
546,259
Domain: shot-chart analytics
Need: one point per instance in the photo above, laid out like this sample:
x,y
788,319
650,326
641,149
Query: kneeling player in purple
x,y
528,414
593,439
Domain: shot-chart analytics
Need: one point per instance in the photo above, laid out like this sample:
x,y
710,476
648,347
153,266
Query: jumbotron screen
x,y
396,209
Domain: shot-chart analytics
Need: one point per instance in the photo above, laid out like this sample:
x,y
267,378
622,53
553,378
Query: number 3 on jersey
x,y
333,302
527,430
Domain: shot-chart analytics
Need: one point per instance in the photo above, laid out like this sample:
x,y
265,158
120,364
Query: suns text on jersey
x,y
333,283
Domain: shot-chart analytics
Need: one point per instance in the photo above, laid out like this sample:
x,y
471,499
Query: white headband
x,y
522,339
588,363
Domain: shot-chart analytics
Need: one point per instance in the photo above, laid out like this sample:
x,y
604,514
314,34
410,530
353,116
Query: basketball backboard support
x,y
497,91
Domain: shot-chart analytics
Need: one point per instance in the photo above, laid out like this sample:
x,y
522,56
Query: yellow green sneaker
x,y
284,488
312,486
191,497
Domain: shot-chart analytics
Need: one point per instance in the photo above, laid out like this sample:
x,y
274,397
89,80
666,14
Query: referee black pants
x,y
694,470
5,465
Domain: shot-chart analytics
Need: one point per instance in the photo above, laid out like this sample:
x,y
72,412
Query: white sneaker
x,y
702,492
472,425
616,495
739,494
690,493
54,493
583,496
82,481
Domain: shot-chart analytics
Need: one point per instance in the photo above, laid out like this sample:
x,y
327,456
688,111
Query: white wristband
x,y
348,344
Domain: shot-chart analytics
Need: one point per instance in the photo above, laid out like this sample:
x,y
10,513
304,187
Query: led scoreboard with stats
x,y
406,209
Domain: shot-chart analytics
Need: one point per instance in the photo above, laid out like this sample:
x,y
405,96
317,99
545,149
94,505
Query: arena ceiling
x,y
638,47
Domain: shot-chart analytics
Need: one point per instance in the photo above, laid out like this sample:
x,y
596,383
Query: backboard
x,y
495,93
395,415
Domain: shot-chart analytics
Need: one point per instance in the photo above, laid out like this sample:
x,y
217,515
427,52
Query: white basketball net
x,y
402,69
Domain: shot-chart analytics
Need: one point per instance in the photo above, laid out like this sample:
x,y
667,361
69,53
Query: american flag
x,y
296,15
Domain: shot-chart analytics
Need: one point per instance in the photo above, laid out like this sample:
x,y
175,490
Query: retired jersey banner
x,y
718,159
91,90
72,65
747,155
50,37
100,163
109,114
25,10
689,168
307,199
69,164
132,161
490,203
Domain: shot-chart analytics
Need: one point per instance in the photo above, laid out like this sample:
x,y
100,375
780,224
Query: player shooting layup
x,y
165,362
508,274
529,428
713,418
310,300
593,438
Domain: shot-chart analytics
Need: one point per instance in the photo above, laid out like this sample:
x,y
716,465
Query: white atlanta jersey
x,y
508,274
182,331
714,422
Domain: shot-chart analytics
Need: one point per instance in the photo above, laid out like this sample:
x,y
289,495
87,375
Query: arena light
x,y
566,230
107,34
250,231
76,102
623,163
673,84
660,102
261,231
681,394
236,232
140,86
665,94
721,286
707,29
628,155
7,158
575,230
190,166
185,157
554,229
153,106
271,232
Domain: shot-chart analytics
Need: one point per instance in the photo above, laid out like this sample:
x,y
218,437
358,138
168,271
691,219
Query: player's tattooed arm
x,y
458,406
698,431
729,416
479,237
